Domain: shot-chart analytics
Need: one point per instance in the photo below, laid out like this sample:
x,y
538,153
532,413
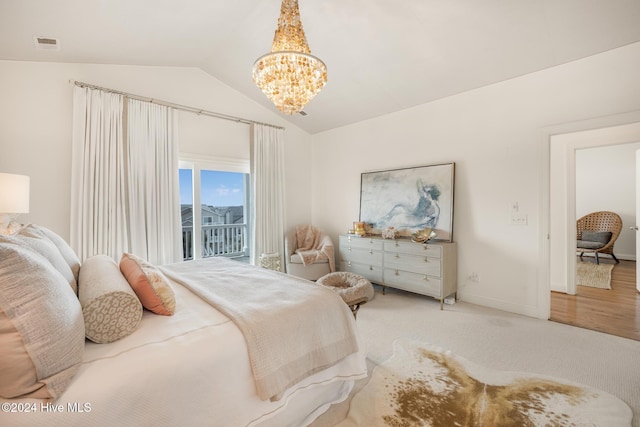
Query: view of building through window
x,y
220,228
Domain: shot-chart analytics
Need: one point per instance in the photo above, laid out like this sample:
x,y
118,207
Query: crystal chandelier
x,y
290,76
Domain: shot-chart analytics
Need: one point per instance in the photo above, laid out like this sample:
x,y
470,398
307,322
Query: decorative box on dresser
x,y
427,269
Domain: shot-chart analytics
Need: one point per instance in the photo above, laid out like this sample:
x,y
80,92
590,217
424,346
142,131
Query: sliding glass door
x,y
215,208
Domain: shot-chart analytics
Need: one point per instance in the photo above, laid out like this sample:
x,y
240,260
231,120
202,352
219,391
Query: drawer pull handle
x,y
426,259
397,273
371,267
371,251
397,244
349,248
425,278
349,263
424,247
397,255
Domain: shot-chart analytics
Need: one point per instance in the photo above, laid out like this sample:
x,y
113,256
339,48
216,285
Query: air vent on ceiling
x,y
47,43
302,113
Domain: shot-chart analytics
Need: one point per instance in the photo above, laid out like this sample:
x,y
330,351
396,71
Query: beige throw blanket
x,y
292,327
313,245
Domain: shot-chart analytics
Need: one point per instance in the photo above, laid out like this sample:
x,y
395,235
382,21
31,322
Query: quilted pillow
x,y
34,239
41,326
110,308
148,282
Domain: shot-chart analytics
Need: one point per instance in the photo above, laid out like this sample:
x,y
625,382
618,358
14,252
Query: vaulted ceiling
x,y
382,55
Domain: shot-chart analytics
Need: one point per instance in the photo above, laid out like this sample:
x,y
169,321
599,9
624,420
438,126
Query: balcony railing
x,y
216,240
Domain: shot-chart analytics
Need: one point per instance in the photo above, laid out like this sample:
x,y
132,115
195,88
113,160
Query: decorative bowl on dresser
x,y
424,268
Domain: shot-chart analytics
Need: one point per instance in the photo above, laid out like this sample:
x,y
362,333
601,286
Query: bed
x,y
195,367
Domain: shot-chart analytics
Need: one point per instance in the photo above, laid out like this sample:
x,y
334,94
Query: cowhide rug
x,y
422,385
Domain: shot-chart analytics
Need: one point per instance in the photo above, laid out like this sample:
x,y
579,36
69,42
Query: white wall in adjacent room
x,y
606,181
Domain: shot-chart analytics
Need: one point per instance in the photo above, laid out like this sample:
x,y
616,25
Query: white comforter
x,y
188,369
293,327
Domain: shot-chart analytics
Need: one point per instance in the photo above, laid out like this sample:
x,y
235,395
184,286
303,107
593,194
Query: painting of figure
x,y
409,199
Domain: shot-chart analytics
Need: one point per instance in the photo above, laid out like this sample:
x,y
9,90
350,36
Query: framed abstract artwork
x,y
410,200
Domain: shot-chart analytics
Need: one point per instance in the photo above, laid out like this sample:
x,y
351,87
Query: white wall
x,y
36,123
494,134
605,181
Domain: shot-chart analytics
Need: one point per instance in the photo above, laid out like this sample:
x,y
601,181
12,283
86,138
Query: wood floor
x,y
613,311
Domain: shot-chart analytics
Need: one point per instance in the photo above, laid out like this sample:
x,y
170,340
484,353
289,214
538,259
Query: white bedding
x,y
312,327
190,369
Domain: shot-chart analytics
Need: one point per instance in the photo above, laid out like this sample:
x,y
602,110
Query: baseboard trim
x,y
558,287
531,311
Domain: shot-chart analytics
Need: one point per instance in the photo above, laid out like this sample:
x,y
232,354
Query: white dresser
x,y
426,269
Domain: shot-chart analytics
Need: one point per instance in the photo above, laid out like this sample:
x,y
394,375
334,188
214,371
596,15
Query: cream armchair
x,y
309,253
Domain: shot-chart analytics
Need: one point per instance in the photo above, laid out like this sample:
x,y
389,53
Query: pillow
x,y
148,282
585,244
66,251
30,237
596,236
41,326
110,308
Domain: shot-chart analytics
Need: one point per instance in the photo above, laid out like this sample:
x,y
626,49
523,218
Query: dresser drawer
x,y
364,256
413,263
396,246
373,273
361,242
414,282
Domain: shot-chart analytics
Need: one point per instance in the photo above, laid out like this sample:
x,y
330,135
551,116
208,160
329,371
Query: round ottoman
x,y
354,289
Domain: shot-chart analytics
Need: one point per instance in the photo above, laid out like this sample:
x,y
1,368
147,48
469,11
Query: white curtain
x,y
98,186
124,195
267,176
152,177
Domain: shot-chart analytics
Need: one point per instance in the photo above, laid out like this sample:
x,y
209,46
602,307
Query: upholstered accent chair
x,y
597,232
309,253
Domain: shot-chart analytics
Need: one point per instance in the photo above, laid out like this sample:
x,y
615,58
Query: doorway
x,y
566,152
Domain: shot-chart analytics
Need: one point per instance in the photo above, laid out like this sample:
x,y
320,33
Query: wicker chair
x,y
602,221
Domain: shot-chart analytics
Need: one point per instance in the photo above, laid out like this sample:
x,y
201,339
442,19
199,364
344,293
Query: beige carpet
x,y
593,275
424,385
496,340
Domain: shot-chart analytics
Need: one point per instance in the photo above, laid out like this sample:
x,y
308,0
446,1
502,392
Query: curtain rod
x,y
176,106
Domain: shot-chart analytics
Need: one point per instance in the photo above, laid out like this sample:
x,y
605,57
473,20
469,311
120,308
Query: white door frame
x,y
610,130
637,218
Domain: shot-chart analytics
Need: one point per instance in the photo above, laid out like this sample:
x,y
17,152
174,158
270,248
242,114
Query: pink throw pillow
x,y
149,284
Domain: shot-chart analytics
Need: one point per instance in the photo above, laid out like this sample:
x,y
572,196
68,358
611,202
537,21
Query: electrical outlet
x,y
474,277
519,219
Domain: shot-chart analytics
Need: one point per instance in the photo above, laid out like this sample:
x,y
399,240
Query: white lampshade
x,y
14,193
